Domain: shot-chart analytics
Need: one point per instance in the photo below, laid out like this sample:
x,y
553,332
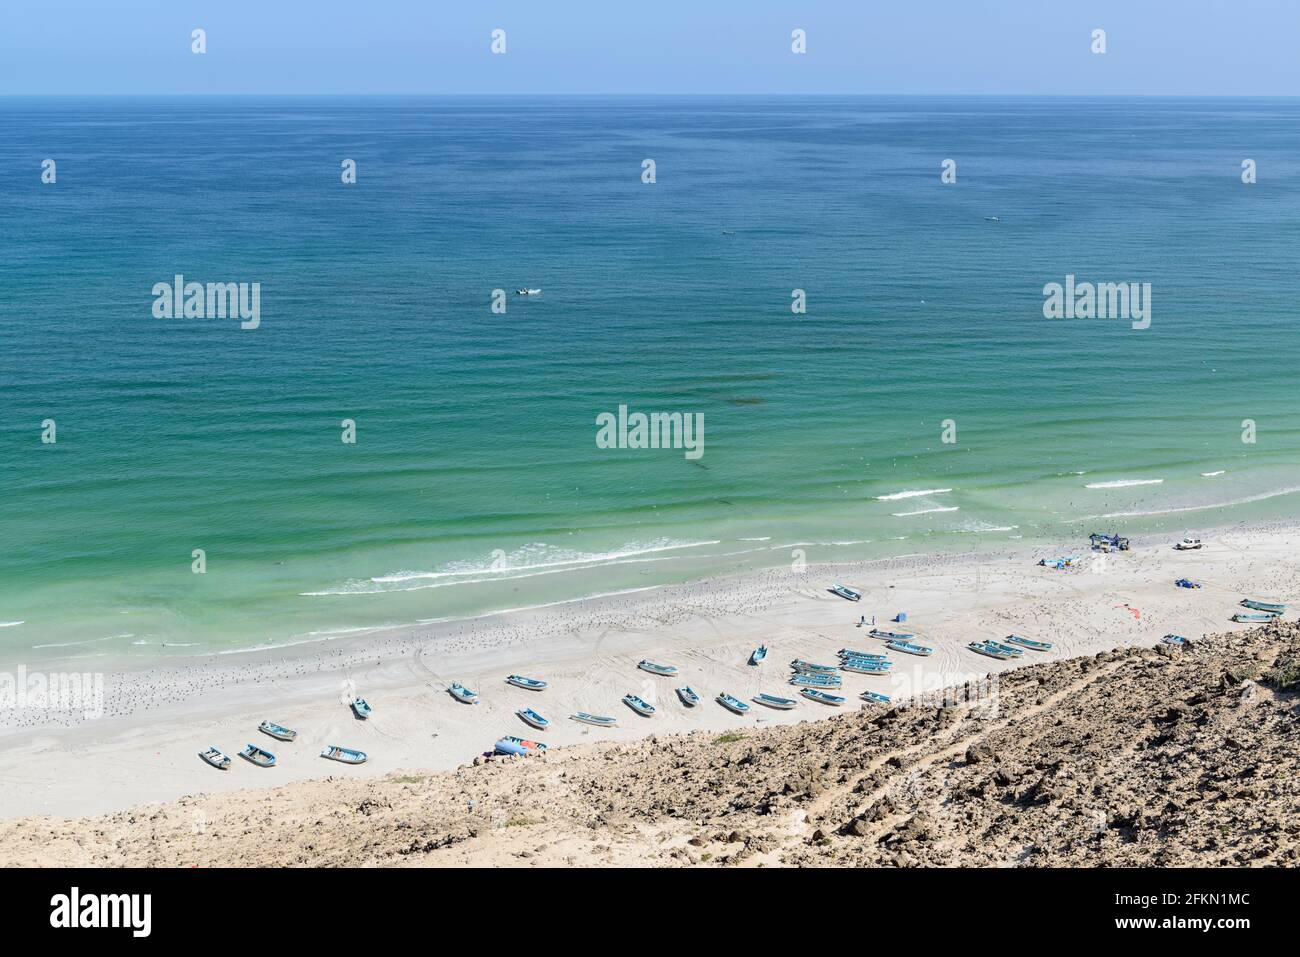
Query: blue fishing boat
x,y
1264,605
891,635
758,654
461,693
821,696
361,708
874,696
908,648
732,704
259,756
343,755
1257,616
844,591
866,655
772,701
818,681
529,716
807,666
987,648
639,705
1012,650
657,669
528,684
1029,642
215,758
276,731
864,667
688,696
523,743
598,720
1174,640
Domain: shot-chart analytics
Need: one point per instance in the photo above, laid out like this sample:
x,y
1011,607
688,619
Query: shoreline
x,y
158,716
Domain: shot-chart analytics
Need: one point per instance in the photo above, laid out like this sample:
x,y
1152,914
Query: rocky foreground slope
x,y
1157,756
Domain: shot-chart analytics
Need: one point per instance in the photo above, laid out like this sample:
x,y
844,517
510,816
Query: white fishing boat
x,y
526,291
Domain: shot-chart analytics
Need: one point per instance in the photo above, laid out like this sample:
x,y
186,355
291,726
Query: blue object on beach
x,y
758,654
901,616
361,707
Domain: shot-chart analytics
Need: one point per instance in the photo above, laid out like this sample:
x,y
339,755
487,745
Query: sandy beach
x,y
155,720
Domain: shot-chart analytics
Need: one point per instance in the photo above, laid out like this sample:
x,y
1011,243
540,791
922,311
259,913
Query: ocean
x,y
476,483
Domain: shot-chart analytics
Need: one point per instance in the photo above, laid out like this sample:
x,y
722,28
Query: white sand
x,y
144,748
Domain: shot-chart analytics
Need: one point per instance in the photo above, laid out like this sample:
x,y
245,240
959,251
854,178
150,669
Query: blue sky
x,y
1226,47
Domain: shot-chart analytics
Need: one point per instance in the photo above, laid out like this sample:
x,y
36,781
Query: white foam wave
x,y
911,493
1213,474
925,511
1263,496
1124,483
11,624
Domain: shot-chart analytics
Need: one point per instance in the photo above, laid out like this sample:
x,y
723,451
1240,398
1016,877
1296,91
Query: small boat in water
x,y
525,291
910,649
1174,640
529,716
361,708
461,693
758,654
1255,616
772,701
807,666
823,697
639,705
1263,605
277,731
862,655
524,743
215,758
874,696
989,649
732,704
1189,544
528,684
596,720
891,635
344,755
657,669
844,591
1029,642
259,756
816,681
688,696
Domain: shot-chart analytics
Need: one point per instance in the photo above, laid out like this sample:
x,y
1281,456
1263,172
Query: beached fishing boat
x,y
1012,650
277,731
807,666
1174,640
874,696
863,655
529,716
1255,616
657,669
461,693
758,654
732,704
908,648
688,696
992,651
598,720
524,743
528,684
891,635
361,708
1028,642
344,755
1189,544
259,756
215,758
1263,605
639,705
822,697
863,667
816,681
510,748
844,591
772,701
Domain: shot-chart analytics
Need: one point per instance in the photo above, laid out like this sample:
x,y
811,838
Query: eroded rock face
x,y
1140,756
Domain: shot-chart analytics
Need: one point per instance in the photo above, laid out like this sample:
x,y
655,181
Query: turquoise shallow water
x,y
476,483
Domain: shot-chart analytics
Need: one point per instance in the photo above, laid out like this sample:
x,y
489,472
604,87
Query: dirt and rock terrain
x,y
1159,756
